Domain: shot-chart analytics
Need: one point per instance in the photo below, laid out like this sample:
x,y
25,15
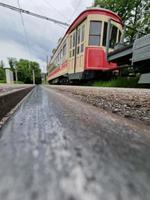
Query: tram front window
x,y
113,38
95,33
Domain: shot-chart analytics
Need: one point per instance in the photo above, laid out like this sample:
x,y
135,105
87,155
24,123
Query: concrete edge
x,y
13,101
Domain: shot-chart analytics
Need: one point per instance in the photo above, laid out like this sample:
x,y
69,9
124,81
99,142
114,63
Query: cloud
x,y
42,36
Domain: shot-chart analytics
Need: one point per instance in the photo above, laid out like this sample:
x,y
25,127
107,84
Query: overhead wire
x,y
21,11
75,10
58,11
50,5
24,29
33,14
46,27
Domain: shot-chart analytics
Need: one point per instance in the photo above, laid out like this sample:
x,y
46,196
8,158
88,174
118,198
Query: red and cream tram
x,y
81,54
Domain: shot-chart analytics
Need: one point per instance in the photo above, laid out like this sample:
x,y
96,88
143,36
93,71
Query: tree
x,y
134,13
2,64
145,21
2,71
25,71
12,62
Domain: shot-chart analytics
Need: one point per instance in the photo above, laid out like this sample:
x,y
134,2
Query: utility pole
x,y
47,61
33,73
16,74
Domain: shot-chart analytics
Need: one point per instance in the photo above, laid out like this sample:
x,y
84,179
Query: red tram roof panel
x,y
91,11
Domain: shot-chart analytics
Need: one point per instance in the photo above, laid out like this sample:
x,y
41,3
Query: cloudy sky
x,y
42,35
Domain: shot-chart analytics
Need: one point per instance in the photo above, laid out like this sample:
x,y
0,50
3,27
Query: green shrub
x,y
2,81
127,82
2,74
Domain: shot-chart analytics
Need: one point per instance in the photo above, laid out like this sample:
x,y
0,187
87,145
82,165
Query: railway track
x,y
57,147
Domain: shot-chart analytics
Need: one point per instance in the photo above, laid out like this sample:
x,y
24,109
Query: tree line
x,y
134,13
24,70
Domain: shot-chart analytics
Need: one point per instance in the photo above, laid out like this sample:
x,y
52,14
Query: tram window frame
x,y
73,52
95,37
74,39
78,49
70,55
82,33
64,49
119,36
113,38
82,47
105,29
80,43
72,44
70,41
78,36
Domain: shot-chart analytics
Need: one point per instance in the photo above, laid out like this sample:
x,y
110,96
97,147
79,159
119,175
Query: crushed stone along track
x,y
129,103
55,147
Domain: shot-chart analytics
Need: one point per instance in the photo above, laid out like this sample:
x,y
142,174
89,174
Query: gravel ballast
x,y
130,103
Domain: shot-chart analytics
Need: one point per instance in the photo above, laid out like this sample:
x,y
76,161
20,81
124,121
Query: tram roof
x,y
91,11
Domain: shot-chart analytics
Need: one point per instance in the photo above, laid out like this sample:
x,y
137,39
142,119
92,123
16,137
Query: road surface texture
x,y
129,103
58,148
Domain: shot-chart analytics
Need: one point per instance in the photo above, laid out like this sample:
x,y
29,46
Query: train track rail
x,y
57,147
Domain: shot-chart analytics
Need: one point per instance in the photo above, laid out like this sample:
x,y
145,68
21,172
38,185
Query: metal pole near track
x,y
33,73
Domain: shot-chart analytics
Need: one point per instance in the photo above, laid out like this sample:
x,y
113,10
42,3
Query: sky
x,y
38,38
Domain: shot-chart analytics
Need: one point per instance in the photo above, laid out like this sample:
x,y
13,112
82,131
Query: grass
x,y
2,81
126,82
18,82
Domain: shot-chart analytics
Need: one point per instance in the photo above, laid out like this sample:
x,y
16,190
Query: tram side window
x,y
70,41
82,38
78,49
82,47
74,39
105,33
82,33
64,50
78,36
95,33
73,52
70,53
113,38
78,40
61,54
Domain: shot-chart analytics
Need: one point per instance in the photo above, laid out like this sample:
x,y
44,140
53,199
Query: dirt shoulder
x,y
129,103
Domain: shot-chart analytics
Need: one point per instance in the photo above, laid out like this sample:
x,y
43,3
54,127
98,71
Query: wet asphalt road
x,y
57,148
